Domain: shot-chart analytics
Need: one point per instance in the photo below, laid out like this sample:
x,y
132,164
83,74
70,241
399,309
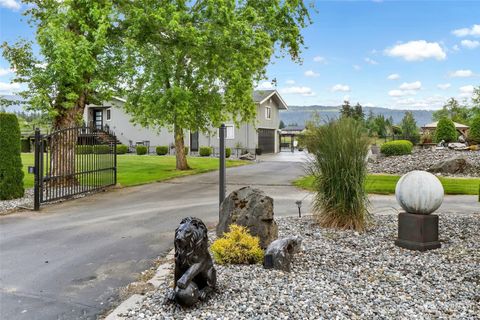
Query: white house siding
x,y
125,130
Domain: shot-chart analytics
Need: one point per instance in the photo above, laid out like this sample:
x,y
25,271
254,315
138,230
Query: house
x,y
289,136
262,133
461,128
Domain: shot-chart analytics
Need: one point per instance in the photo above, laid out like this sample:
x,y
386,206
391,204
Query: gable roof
x,y
260,96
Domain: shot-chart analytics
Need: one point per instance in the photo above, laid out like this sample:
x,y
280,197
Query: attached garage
x,y
266,140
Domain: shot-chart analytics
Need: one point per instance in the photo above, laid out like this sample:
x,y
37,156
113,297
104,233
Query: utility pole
x,y
222,177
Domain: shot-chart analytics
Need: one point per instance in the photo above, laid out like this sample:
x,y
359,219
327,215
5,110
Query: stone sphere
x,y
419,192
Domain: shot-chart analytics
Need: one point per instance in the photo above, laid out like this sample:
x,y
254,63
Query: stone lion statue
x,y
195,275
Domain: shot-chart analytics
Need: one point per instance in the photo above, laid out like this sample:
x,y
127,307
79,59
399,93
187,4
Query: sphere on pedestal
x,y
419,192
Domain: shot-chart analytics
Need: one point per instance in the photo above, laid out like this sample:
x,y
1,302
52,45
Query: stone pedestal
x,y
417,231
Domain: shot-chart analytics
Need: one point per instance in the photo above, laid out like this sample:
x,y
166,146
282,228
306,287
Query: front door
x,y
194,141
98,118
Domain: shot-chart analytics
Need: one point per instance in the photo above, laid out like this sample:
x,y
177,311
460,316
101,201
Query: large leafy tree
x,y
191,65
409,128
453,110
74,64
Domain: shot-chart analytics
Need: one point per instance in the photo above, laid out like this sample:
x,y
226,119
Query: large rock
x,y
451,166
250,208
279,253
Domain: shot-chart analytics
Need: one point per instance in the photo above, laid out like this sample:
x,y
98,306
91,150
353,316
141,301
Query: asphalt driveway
x,y
69,260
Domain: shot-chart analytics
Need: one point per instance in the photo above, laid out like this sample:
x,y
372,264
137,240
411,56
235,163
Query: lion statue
x,y
195,276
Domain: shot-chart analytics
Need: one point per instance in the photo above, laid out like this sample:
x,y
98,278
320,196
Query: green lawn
x,y
385,184
134,170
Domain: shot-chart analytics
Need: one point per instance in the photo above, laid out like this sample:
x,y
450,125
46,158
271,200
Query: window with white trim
x,y
268,113
230,132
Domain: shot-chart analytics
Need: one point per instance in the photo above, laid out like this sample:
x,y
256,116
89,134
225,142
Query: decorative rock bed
x,y
347,275
26,201
423,159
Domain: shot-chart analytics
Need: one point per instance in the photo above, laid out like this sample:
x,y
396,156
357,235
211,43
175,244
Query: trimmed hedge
x,y
228,152
122,149
101,149
474,132
141,150
445,131
81,149
11,174
162,150
205,151
396,148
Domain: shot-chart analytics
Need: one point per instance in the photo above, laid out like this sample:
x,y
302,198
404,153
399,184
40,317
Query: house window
x,y
230,132
108,114
268,113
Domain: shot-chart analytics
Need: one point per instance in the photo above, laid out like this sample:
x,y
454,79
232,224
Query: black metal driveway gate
x,y
73,161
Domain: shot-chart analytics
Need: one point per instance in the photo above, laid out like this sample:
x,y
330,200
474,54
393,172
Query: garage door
x,y
266,140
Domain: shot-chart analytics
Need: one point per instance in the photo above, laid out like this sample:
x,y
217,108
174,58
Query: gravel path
x,y
422,159
346,275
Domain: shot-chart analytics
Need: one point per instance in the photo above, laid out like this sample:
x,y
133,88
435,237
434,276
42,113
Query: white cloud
x,y
10,4
4,72
396,93
434,102
417,51
406,86
470,44
456,47
466,91
370,61
304,91
463,32
265,85
340,88
8,88
461,73
319,59
369,104
290,81
311,73
356,67
444,86
393,76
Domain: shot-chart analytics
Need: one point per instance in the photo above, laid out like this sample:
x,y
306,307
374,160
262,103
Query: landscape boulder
x,y
279,253
451,166
250,208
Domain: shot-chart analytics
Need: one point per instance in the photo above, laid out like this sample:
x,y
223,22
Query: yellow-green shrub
x,y
237,247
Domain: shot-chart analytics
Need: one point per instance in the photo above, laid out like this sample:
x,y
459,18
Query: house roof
x,y
294,128
260,96
433,125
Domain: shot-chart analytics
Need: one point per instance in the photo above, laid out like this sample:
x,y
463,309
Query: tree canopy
x,y
194,66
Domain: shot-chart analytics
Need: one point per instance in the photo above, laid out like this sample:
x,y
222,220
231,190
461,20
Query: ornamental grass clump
x,y
339,170
237,247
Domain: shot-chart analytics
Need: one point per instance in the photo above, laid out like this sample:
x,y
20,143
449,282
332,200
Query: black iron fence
x,y
73,161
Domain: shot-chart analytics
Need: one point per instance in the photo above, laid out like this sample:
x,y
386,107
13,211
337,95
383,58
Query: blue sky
x,y
396,54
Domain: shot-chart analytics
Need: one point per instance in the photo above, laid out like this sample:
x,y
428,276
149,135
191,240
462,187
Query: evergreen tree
x,y
281,125
346,111
358,113
445,131
409,128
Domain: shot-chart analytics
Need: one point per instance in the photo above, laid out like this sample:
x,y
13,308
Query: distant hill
x,y
301,114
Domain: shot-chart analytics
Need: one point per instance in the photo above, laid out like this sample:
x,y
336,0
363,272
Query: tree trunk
x,y
180,149
63,143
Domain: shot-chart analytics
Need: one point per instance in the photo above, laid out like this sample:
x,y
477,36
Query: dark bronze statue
x,y
195,276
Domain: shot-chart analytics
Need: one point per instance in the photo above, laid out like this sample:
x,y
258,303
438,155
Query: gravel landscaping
x,y
422,159
347,275
26,201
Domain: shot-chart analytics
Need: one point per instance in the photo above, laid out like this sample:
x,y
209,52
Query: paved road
x,y
68,261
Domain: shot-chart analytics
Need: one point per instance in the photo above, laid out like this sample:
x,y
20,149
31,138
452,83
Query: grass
x,y
385,184
135,170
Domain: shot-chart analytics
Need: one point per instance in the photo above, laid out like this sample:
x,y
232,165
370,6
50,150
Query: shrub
x,y
81,149
237,247
122,149
141,150
101,149
396,148
25,145
474,132
161,150
11,174
339,170
426,137
445,131
228,152
205,151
